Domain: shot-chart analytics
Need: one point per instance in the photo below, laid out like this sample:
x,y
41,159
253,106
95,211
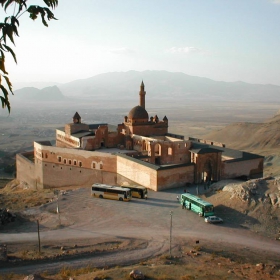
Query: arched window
x,y
158,149
169,151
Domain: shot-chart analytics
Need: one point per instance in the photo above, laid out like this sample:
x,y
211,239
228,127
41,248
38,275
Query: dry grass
x,y
208,264
16,196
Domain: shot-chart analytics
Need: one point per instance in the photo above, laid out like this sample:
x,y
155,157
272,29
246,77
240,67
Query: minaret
x,y
142,94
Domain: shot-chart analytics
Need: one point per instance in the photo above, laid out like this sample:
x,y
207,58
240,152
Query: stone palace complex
x,y
140,151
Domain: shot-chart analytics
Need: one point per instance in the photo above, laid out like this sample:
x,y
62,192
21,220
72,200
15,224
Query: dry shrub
x,y
187,277
66,272
164,277
197,248
24,254
11,276
165,257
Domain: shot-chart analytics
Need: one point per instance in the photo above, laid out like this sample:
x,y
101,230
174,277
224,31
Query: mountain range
x,y
158,84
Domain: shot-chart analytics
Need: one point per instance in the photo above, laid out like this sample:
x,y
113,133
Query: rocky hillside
x,y
254,204
252,136
261,138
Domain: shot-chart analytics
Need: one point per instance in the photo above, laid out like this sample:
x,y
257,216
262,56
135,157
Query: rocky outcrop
x,y
253,191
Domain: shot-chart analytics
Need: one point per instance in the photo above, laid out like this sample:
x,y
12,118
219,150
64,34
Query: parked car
x,y
213,220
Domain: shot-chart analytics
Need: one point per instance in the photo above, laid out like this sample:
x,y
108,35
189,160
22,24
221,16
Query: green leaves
x,y
2,63
11,51
5,103
9,28
20,3
51,3
34,11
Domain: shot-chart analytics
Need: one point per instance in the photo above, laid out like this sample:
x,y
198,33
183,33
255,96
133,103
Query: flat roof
x,y
235,155
115,151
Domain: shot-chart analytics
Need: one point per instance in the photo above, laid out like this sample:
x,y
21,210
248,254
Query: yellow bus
x,y
110,192
137,191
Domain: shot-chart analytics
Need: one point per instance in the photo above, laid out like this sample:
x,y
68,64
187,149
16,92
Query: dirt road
x,y
154,220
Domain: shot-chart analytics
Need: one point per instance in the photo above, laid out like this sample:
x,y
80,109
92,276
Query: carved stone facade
x,y
140,151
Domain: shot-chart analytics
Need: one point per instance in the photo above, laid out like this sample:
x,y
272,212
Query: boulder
x,y
136,274
273,198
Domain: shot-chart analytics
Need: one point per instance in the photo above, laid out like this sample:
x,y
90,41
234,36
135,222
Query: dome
x,y
138,112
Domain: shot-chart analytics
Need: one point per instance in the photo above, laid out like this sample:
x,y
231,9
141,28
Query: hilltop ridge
x,y
262,138
176,86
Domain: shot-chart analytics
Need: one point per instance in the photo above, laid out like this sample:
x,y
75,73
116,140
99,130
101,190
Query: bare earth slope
x,y
261,138
254,204
253,136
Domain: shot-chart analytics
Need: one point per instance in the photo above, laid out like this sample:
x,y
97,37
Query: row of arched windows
x,y
70,161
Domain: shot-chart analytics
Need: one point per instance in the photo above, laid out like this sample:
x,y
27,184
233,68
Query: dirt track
x,y
83,217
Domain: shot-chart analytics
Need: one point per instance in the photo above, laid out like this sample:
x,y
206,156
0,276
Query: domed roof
x,y
138,112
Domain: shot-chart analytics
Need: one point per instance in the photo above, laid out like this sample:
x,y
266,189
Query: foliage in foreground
x,y
9,29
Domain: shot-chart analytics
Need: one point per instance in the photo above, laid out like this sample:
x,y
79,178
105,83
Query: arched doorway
x,y
157,153
207,174
102,143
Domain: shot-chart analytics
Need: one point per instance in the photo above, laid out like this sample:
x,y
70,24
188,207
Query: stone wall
x,y
175,177
154,177
252,168
58,167
65,140
148,129
25,169
137,171
208,142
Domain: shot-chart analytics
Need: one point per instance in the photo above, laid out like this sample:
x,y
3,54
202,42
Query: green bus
x,y
196,204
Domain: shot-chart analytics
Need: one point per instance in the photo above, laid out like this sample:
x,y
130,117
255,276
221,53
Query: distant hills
x,y
167,85
52,93
158,84
250,136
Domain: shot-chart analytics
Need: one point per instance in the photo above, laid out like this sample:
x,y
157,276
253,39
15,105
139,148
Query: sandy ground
x,y
99,235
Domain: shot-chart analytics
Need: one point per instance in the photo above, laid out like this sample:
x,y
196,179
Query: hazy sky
x,y
225,40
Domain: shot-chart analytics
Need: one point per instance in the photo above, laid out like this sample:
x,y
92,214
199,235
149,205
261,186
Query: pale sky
x,y
224,40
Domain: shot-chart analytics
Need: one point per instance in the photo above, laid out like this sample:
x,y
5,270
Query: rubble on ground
x,y
257,201
255,191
